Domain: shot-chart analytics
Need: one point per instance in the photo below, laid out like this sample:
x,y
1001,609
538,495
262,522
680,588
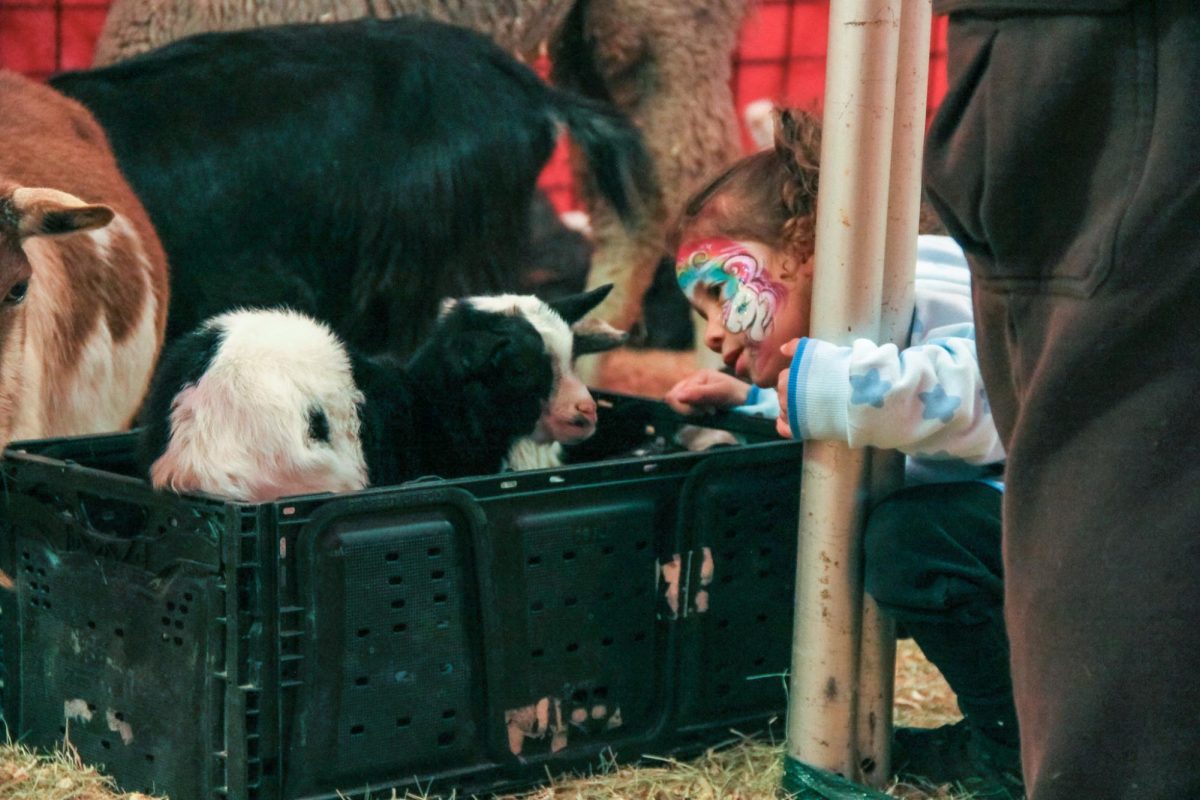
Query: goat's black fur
x,y
474,387
358,171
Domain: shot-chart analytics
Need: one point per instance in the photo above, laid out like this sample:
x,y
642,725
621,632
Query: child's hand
x,y
781,423
706,391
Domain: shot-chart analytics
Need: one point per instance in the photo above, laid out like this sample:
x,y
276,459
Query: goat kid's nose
x,y
586,411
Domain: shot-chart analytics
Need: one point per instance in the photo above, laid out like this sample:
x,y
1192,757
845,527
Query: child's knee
x,y
895,563
919,555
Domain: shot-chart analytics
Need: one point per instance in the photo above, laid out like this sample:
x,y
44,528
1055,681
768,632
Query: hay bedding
x,y
744,769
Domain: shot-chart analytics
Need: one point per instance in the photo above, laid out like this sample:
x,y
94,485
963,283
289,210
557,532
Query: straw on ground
x,y
741,769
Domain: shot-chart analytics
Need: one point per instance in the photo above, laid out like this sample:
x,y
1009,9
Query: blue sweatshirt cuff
x,y
817,391
797,374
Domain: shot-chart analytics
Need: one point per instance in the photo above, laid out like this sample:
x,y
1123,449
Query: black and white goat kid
x,y
260,404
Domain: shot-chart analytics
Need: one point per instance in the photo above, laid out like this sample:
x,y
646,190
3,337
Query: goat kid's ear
x,y
573,308
596,336
49,212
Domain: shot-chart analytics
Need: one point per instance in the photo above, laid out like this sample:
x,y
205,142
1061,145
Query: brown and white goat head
x,y
27,216
80,325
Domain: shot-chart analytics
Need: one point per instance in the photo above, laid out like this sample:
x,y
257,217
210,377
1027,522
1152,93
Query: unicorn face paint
x,y
750,301
749,297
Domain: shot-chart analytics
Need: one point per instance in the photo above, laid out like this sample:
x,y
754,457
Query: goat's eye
x,y
16,295
318,425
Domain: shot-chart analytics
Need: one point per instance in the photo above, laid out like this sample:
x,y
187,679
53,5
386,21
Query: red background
x,y
781,55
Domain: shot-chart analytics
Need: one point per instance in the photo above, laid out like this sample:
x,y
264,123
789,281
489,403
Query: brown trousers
x,y
1066,161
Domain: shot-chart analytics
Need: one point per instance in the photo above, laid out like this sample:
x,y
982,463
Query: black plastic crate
x,y
470,634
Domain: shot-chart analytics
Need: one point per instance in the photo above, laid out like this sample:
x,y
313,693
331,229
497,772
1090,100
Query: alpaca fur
x,y
356,171
260,404
665,64
83,279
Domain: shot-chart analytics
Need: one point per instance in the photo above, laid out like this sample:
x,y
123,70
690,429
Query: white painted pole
x,y
877,658
851,228
904,190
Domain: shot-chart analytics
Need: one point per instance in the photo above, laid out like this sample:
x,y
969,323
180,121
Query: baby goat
x,y
259,404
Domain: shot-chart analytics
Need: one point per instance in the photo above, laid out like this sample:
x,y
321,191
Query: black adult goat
x,y
358,171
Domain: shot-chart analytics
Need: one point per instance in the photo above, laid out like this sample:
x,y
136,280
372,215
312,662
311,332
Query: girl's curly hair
x,y
769,196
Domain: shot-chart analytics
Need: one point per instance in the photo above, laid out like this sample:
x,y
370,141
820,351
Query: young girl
x,y
932,550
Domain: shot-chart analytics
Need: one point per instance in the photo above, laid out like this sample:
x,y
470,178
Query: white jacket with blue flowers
x,y
926,400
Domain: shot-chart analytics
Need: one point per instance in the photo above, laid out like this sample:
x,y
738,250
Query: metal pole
x,y
877,659
851,227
